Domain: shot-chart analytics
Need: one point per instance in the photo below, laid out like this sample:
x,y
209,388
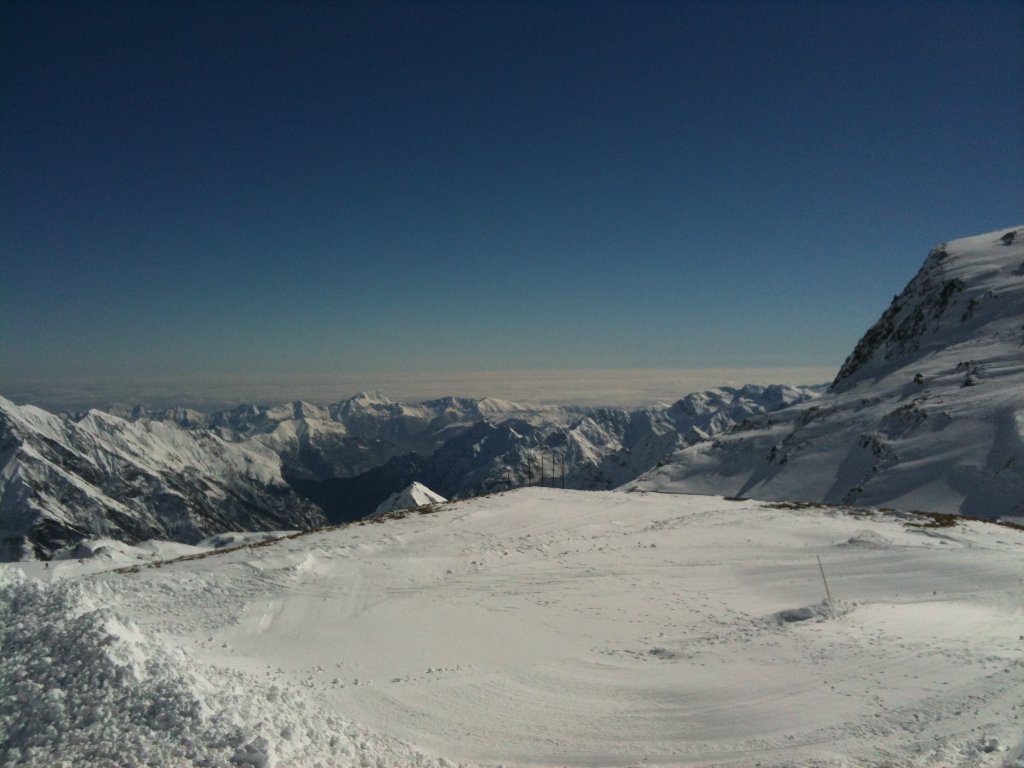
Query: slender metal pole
x,y
822,569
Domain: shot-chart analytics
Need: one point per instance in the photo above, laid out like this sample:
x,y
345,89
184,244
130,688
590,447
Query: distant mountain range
x,y
926,413
63,480
183,475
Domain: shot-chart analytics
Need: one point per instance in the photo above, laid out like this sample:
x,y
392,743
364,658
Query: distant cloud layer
x,y
625,387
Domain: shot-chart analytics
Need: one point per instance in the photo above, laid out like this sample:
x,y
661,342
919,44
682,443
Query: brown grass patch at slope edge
x,y
397,515
920,519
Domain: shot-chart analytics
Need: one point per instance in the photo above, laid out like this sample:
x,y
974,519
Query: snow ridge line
x,y
425,509
935,520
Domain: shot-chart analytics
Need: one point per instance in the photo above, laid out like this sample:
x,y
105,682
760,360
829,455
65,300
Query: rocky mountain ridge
x,y
182,475
62,480
926,413
575,447
349,437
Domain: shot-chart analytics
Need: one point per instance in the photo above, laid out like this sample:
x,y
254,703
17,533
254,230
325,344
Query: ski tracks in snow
x,y
557,628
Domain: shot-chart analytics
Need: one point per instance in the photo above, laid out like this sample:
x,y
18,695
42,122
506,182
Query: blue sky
x,y
238,189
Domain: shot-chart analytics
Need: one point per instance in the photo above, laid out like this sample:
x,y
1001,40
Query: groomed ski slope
x,y
534,628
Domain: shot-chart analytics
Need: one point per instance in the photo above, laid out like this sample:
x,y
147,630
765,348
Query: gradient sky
x,y
244,189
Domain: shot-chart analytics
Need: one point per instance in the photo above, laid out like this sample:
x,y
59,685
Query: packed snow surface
x,y
533,628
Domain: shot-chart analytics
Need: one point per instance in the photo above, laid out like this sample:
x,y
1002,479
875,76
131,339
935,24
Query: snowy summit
x,y
63,480
413,496
926,413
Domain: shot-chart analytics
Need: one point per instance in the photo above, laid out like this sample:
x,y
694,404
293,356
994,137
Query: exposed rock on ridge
x,y
926,413
62,481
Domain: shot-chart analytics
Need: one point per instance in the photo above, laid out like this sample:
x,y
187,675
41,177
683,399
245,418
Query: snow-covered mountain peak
x,y
460,446
98,420
300,409
715,409
412,496
62,480
187,418
968,294
927,413
450,406
31,418
493,406
369,398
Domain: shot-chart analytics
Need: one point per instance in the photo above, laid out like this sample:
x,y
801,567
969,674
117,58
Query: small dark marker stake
x,y
820,568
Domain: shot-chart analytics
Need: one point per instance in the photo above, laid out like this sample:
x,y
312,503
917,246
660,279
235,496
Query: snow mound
x,y
115,551
78,686
869,540
826,609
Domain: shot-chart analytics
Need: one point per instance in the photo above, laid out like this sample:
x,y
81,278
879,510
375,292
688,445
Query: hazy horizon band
x,y
582,386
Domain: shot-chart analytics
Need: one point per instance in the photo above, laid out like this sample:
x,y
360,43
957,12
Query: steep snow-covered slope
x,y
926,413
412,496
534,628
307,437
651,435
64,480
